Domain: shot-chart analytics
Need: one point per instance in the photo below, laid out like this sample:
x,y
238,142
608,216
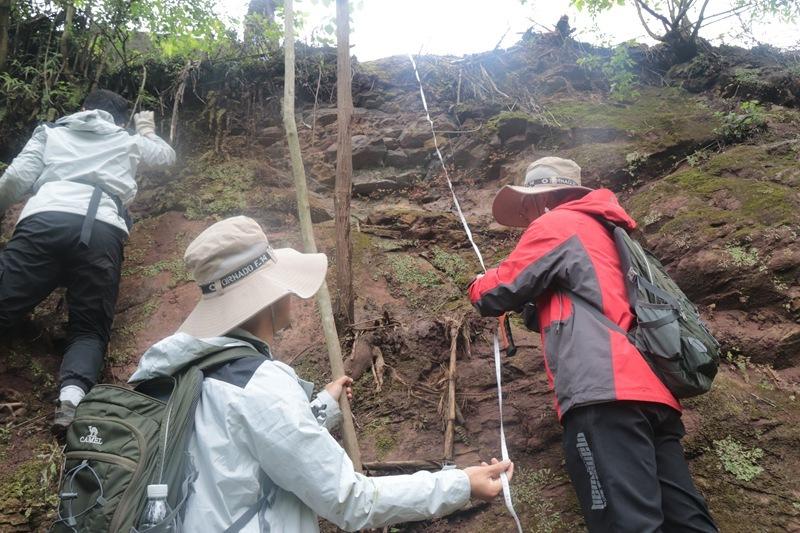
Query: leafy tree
x,y
677,23
260,30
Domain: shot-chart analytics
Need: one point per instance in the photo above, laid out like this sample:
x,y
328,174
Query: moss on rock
x,y
729,196
658,118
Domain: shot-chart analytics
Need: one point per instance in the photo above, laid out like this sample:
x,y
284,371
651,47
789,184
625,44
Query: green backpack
x,y
123,440
668,330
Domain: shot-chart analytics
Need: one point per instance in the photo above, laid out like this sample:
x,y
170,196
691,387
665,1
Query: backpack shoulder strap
x,y
621,238
226,355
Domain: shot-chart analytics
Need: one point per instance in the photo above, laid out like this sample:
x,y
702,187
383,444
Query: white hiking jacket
x,y
258,434
83,146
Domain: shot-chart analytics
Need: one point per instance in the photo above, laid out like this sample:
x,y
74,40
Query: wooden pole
x,y
304,214
388,466
345,307
450,429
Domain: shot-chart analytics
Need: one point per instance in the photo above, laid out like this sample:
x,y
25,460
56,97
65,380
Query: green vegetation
x,y
740,361
656,119
218,189
175,267
738,126
635,160
652,218
454,266
501,120
528,491
737,460
757,186
697,158
411,277
384,436
5,438
71,46
743,257
41,375
677,24
617,71
30,490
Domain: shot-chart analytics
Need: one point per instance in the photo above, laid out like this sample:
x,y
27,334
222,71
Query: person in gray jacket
x,y
265,459
71,232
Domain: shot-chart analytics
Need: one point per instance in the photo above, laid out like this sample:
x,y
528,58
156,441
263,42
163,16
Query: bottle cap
x,y
156,491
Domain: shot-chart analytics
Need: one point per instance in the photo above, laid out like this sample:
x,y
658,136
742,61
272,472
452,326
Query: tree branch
x,y
684,9
723,15
644,23
699,23
667,24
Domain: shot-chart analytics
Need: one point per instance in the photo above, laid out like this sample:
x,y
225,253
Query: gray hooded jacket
x,y
85,146
257,433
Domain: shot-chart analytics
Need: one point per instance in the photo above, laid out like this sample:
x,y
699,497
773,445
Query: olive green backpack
x,y
668,330
123,440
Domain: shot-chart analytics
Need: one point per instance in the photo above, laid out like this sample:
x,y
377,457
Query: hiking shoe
x,y
65,414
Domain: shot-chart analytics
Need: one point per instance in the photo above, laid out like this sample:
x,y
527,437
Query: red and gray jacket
x,y
568,250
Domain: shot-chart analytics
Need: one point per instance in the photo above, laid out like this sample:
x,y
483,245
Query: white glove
x,y
145,123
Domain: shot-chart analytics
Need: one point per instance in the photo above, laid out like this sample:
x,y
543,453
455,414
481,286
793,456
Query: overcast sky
x,y
391,27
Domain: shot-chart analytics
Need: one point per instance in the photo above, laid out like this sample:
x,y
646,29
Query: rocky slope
x,y
721,213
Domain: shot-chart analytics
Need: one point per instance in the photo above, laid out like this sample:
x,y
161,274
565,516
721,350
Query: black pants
x,y
45,253
627,466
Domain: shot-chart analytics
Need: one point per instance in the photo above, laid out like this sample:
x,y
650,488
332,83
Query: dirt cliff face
x,y
723,216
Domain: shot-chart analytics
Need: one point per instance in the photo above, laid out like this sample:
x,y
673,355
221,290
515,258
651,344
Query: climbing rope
x,y
496,343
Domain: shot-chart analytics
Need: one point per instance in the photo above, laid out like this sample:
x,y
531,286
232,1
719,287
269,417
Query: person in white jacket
x,y
265,458
71,232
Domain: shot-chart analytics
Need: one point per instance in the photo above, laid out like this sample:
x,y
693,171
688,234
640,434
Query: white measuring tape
x,y
496,343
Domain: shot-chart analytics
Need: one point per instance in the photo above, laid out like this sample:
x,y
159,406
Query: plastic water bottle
x,y
156,510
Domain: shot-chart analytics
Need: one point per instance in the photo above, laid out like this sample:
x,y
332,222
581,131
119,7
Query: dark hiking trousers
x,y
627,466
44,253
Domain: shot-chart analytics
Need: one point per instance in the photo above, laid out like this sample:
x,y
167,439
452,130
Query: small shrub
x,y
635,160
738,460
698,158
742,124
743,257
617,70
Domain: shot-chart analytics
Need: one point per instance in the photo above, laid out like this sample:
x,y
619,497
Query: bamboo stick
x,y
449,433
304,214
345,309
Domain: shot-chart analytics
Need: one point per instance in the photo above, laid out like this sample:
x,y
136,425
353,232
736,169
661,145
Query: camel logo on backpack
x,y
92,437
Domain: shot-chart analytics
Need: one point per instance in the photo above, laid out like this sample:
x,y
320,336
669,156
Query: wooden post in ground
x,y
304,214
345,308
450,429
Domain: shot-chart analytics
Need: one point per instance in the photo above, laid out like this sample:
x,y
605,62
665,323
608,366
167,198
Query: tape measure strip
x,y
503,449
446,174
497,364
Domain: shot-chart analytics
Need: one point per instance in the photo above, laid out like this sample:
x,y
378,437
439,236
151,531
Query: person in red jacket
x,y
622,426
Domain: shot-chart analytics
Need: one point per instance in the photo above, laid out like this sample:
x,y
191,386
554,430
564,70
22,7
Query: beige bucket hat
x,y
554,179
240,274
